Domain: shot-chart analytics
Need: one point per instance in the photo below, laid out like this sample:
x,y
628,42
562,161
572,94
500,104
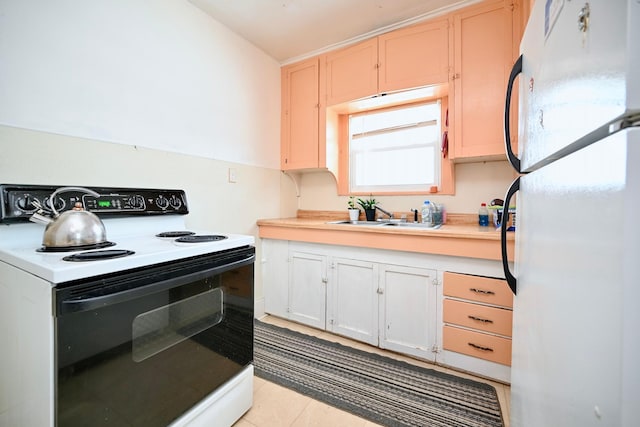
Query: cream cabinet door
x,y
352,300
352,72
407,318
413,57
300,120
483,55
307,288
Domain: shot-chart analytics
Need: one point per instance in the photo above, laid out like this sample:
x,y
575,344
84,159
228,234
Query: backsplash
x,y
475,183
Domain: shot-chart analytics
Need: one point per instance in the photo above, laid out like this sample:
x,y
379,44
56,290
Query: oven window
x,y
157,330
146,360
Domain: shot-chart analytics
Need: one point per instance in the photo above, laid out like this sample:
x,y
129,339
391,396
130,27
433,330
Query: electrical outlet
x,y
233,175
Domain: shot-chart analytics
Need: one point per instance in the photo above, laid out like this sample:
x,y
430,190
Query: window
x,y
395,150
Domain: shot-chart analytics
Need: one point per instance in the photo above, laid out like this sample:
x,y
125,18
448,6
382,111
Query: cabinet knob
x,y
380,291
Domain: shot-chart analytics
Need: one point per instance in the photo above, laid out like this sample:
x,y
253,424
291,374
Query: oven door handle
x,y
91,303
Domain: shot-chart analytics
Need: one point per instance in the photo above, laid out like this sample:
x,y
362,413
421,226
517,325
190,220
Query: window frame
x,y
447,183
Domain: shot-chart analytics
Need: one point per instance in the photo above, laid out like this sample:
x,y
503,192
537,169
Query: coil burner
x,y
201,238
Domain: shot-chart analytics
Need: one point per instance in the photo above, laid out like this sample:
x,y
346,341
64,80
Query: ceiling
x,y
289,30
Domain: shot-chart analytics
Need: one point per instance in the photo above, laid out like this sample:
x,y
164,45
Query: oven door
x,y
142,347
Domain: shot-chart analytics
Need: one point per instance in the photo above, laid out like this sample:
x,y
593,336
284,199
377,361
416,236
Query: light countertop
x,y
458,237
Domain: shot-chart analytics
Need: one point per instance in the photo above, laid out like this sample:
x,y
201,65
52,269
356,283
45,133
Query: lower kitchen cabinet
x,y
488,347
416,304
355,293
352,299
408,307
477,324
307,289
295,282
390,306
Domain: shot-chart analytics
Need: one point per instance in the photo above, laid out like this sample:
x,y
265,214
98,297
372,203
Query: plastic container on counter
x,y
483,215
427,213
497,212
437,214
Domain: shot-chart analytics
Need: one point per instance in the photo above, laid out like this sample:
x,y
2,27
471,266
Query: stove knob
x,y
59,204
25,203
175,202
162,202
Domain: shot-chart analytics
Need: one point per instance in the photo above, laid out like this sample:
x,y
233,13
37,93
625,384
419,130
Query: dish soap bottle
x,y
483,215
427,216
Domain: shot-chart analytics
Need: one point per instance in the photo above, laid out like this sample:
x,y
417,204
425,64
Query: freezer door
x,y
576,344
581,62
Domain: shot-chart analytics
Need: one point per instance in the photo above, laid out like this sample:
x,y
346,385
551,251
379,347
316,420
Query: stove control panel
x,y
19,202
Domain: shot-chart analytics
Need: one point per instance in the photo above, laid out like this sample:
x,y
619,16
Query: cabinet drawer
x,y
477,288
489,319
477,344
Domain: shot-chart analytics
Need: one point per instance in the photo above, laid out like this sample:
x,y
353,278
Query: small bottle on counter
x,y
483,215
436,213
426,213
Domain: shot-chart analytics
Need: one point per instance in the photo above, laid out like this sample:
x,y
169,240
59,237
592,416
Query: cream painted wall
x,y
139,93
475,183
36,157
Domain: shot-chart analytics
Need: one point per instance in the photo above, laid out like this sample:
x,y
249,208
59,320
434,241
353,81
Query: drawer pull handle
x,y
479,347
480,319
482,291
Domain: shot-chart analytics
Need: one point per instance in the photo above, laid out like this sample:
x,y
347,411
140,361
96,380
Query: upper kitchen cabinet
x,y
485,45
413,57
404,59
352,72
302,145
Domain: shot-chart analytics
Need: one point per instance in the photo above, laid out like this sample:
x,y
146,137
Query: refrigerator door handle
x,y
511,280
513,159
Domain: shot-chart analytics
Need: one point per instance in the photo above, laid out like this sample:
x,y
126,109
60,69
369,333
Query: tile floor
x,y
276,406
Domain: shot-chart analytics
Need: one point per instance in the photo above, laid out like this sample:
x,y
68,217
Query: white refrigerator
x,y
576,276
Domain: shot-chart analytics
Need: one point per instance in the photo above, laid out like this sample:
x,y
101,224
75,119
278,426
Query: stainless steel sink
x,y
368,223
391,223
412,225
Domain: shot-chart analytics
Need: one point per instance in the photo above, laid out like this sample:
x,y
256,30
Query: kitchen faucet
x,y
389,214
415,214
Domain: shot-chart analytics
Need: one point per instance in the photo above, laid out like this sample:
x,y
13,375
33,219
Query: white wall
x,y
142,93
158,74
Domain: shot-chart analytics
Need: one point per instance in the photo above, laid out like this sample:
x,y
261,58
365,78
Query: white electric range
x,y
160,334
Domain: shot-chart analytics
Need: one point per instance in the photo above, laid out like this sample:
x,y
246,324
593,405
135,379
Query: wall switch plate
x,y
233,175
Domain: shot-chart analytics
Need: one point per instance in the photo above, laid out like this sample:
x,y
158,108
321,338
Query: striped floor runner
x,y
380,389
